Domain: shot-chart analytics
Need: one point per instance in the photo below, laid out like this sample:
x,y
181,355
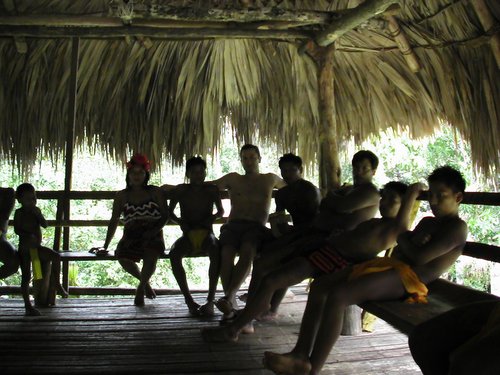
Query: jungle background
x,y
401,158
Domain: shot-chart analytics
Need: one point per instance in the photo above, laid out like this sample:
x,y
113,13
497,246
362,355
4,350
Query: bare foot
x,y
286,363
139,296
149,292
248,329
218,334
207,309
224,305
193,307
267,316
31,311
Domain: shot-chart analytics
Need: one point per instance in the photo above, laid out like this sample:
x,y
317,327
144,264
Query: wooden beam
x,y
229,32
353,19
214,17
70,144
329,164
490,26
403,43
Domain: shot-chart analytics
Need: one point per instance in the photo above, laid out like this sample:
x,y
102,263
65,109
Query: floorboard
x,y
111,336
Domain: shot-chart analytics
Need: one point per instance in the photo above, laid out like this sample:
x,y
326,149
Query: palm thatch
x,y
173,98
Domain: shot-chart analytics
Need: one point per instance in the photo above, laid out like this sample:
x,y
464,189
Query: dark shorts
x,y
237,232
327,260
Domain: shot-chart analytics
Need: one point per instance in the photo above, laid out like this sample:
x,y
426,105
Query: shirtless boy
x,y
196,201
340,251
243,234
425,253
8,255
27,222
342,209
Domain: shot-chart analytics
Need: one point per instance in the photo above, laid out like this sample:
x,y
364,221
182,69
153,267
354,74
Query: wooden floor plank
x,y
111,336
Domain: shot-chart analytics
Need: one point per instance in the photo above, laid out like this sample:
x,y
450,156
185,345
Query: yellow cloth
x,y
196,237
413,285
37,267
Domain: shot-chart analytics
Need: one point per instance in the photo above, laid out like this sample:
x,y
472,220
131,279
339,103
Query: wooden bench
x,y
443,296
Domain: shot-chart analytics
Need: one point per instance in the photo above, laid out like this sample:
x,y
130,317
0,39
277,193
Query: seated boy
x,y
27,222
8,255
196,201
421,256
355,246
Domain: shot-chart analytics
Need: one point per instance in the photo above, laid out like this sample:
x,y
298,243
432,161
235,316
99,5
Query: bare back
x,y
250,195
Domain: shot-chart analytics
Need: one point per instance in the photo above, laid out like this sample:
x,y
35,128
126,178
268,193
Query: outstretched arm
x,y
411,195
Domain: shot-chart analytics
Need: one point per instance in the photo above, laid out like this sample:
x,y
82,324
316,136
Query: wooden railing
x,y
474,249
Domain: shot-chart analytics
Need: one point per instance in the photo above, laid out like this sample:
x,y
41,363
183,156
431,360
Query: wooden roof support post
x,y
70,141
489,25
344,24
403,44
329,165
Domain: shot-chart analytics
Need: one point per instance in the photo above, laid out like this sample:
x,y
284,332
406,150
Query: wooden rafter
x,y
403,43
353,19
229,32
490,26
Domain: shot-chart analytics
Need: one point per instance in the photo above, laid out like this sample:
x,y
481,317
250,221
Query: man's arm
x,y
357,198
449,237
403,216
218,205
224,182
278,181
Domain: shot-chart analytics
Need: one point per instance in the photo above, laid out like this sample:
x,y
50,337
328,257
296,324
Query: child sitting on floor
x,y
421,256
27,222
196,201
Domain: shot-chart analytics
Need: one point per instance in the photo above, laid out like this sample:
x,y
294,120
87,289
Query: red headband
x,y
139,160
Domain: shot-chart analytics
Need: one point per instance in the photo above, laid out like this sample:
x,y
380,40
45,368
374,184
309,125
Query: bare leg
x,y
240,270
290,274
228,254
132,268
25,286
177,253
148,269
213,277
372,287
50,255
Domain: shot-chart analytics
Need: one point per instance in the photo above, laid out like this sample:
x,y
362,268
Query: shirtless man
x,y
341,210
196,201
8,255
423,254
243,234
340,251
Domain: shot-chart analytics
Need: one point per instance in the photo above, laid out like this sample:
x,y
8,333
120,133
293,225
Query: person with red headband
x,y
144,212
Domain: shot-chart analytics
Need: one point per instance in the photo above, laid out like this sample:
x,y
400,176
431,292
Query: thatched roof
x,y
170,91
